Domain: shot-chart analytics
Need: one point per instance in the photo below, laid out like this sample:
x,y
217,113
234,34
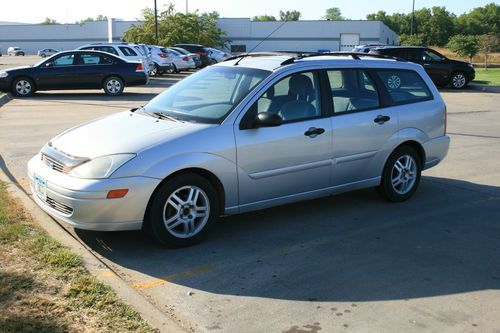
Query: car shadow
x,y
97,96
349,247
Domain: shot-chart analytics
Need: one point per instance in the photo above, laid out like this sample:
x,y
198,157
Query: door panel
x,y
59,75
279,161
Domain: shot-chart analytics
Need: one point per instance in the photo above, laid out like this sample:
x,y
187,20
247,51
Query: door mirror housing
x,y
267,119
49,64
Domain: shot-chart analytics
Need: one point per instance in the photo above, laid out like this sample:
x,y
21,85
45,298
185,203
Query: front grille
x,y
60,207
55,164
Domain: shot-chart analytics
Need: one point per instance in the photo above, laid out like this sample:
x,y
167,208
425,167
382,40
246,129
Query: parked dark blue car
x,y
74,70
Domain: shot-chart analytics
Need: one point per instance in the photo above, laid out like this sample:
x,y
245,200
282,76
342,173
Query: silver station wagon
x,y
251,132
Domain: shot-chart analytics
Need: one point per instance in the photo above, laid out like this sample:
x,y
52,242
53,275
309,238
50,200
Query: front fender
x,y
222,168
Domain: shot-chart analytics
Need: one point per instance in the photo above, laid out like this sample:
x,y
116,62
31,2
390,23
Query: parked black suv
x,y
443,71
199,49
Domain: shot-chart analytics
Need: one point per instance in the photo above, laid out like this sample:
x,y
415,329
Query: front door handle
x,y
314,132
381,119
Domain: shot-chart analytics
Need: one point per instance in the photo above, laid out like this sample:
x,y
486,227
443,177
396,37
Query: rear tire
x,y
155,71
113,86
23,87
182,211
401,175
171,70
458,80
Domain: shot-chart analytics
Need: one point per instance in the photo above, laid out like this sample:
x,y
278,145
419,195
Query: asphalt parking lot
x,y
351,262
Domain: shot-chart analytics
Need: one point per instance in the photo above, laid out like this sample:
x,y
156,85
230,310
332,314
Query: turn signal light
x,y
116,194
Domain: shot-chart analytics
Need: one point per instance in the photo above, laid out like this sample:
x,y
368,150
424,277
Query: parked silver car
x,y
47,52
217,55
245,134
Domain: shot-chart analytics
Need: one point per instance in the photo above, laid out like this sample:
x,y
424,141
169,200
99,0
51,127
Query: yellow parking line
x,y
158,282
106,272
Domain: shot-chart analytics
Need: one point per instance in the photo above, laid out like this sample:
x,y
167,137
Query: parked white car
x,y
15,51
217,55
161,59
196,57
126,51
180,61
47,52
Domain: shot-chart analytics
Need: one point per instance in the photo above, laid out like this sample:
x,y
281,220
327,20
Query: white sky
x,y
67,11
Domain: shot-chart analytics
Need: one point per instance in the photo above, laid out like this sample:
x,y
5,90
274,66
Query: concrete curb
x,y
150,313
4,99
484,88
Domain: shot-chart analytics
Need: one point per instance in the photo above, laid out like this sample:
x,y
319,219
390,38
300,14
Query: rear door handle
x,y
314,132
381,119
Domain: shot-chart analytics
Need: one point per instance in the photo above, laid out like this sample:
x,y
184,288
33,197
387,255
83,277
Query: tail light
x,y
225,55
163,55
139,68
185,59
201,53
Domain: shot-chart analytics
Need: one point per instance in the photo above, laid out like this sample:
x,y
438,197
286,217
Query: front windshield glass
x,y
207,96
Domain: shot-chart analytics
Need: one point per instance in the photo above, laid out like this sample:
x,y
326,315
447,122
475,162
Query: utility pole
x,y
412,18
187,11
156,23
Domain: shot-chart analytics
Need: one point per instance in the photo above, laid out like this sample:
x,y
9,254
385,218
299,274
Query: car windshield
x,y
181,51
207,96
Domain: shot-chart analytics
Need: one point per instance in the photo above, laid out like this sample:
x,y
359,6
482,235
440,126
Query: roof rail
x,y
354,55
260,54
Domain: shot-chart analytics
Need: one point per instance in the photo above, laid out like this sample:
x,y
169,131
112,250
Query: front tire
x,y
182,211
458,80
171,70
401,175
155,71
23,87
113,86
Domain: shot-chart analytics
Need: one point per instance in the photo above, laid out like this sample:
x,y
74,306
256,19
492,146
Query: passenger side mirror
x,y
267,119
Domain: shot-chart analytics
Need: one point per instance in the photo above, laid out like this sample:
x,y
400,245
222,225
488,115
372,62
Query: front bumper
x,y
4,84
82,203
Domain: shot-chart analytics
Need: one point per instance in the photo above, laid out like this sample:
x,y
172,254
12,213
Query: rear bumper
x,y
436,150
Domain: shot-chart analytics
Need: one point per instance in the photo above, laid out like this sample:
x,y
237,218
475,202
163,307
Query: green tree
x,y
488,43
464,45
264,18
411,40
90,19
480,20
290,15
48,21
174,27
334,14
438,28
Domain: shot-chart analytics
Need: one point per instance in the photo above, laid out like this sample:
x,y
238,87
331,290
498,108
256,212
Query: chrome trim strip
x,y
63,158
290,169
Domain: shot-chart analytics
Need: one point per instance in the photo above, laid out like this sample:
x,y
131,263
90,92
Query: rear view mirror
x,y
267,119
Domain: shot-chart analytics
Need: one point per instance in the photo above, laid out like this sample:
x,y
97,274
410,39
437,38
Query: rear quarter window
x,y
404,86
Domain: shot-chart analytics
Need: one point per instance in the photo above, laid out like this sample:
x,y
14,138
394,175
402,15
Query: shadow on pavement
x,y
349,247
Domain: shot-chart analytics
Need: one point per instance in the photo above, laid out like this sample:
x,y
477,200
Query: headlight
x,y
3,74
101,167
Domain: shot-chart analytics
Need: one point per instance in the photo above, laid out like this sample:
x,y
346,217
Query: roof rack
x,y
295,55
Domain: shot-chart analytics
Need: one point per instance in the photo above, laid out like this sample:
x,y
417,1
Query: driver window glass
x,y
66,60
293,98
430,56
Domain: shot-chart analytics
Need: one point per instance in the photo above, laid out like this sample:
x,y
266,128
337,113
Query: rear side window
x,y
107,49
352,90
404,86
127,51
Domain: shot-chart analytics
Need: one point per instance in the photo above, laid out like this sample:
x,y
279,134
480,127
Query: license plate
x,y
40,185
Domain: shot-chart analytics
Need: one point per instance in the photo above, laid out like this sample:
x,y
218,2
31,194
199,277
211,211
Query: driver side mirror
x,y
49,64
267,119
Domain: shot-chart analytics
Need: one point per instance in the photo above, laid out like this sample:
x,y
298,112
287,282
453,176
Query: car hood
x,y
124,132
458,62
16,68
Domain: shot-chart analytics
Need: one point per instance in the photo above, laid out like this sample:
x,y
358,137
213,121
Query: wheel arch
x,y
212,178
110,75
27,76
416,146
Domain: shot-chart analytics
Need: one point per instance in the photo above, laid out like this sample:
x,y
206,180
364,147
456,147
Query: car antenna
x,y
262,41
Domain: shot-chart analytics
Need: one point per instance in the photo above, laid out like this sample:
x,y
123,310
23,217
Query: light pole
x,y
412,18
156,24
187,11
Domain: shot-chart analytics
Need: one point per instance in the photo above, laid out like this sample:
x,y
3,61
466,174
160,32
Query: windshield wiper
x,y
162,115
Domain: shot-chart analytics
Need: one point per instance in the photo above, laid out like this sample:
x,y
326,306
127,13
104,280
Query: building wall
x,y
289,36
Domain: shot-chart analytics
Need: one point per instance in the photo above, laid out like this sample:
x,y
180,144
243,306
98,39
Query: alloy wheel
x,y
186,211
458,80
113,86
404,174
394,82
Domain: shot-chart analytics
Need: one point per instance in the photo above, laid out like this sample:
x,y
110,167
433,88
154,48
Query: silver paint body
x,y
257,168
